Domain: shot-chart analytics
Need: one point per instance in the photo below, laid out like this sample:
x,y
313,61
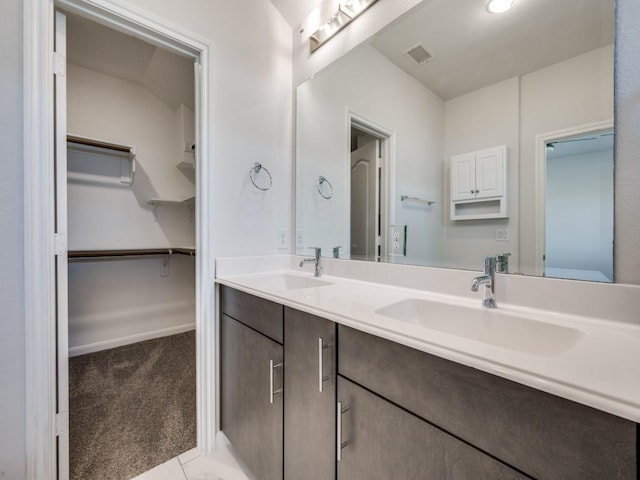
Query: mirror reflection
x,y
456,133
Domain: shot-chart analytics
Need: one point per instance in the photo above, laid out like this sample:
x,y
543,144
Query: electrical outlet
x,y
398,243
283,233
502,234
164,266
299,239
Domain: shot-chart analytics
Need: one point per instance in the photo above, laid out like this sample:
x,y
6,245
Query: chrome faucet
x,y
316,260
488,279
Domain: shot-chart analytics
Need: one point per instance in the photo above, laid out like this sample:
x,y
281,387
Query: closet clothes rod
x,y
131,253
99,144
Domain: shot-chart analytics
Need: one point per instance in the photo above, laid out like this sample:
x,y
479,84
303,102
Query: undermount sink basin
x,y
285,281
489,326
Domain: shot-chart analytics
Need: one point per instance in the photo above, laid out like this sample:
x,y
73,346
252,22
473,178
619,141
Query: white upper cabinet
x,y
478,184
463,177
490,170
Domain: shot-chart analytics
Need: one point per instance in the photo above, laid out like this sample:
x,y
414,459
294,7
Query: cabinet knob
x,y
472,191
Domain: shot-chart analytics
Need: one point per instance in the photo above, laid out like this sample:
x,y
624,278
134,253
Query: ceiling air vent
x,y
419,54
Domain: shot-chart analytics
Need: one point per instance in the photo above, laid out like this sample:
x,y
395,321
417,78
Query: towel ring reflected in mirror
x,y
322,189
255,171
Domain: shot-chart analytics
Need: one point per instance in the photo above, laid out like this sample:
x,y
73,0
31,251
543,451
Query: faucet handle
x,y
489,263
316,250
336,252
502,262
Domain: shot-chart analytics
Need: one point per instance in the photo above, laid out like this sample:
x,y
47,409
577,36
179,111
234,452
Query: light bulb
x,y
499,6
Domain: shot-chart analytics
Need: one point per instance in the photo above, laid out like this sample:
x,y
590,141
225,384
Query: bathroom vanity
x,y
314,396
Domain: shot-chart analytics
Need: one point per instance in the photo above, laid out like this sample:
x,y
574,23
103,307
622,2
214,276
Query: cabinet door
x,y
463,177
310,397
384,441
251,417
490,172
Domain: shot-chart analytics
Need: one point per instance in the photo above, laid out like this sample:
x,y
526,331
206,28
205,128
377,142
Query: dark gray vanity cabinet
x,y
310,396
251,383
544,436
381,441
404,414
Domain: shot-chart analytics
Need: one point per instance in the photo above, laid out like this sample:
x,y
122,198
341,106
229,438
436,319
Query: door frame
x,y
39,214
540,179
387,140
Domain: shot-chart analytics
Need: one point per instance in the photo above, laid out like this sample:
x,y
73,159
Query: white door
x,y
463,177
62,417
490,172
364,201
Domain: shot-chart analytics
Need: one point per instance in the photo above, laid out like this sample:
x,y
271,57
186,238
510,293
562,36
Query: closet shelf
x,y
186,201
132,252
124,154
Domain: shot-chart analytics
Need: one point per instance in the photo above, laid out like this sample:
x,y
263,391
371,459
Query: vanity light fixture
x,y
499,6
346,13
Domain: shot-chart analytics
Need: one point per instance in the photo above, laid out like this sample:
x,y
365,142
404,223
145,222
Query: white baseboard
x,y
138,337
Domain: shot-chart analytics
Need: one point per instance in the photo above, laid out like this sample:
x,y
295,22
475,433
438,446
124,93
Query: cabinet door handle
x,y
321,377
339,443
272,392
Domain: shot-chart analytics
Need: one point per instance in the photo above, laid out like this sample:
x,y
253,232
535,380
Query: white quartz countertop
x,y
601,370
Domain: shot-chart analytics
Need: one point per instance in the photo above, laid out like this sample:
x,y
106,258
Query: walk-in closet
x,y
131,252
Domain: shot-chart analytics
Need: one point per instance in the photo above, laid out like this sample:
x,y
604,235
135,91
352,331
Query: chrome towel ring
x,y
321,189
255,170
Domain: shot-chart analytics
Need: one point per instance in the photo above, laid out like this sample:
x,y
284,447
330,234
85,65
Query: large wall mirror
x,y
454,133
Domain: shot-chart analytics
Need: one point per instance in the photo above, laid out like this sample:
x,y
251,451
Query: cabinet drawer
x,y
262,315
540,434
385,442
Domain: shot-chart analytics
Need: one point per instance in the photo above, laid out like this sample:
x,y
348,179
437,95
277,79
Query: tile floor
x,y
221,465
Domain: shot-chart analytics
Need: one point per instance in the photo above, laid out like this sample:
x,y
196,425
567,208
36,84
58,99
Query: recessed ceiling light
x,y
499,6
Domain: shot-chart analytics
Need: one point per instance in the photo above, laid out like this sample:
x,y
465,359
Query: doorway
x,y
579,207
369,154
45,289
130,241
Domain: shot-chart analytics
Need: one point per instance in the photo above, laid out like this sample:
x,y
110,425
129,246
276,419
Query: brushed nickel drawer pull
x,y
321,377
340,444
272,392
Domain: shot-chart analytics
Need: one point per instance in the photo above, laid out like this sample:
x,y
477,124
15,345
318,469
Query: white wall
x,y
367,84
110,216
12,333
554,99
579,212
486,118
120,301
114,302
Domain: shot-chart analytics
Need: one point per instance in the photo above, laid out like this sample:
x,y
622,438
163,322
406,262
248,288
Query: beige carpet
x,y
131,408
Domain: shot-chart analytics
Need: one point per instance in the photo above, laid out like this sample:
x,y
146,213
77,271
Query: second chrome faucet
x,y
316,260
492,264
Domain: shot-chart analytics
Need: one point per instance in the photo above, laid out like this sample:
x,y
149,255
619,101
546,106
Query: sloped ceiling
x,y
473,49
166,75
294,11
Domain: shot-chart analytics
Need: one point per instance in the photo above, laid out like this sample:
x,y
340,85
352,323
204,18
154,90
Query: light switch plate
x,y
283,233
299,239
